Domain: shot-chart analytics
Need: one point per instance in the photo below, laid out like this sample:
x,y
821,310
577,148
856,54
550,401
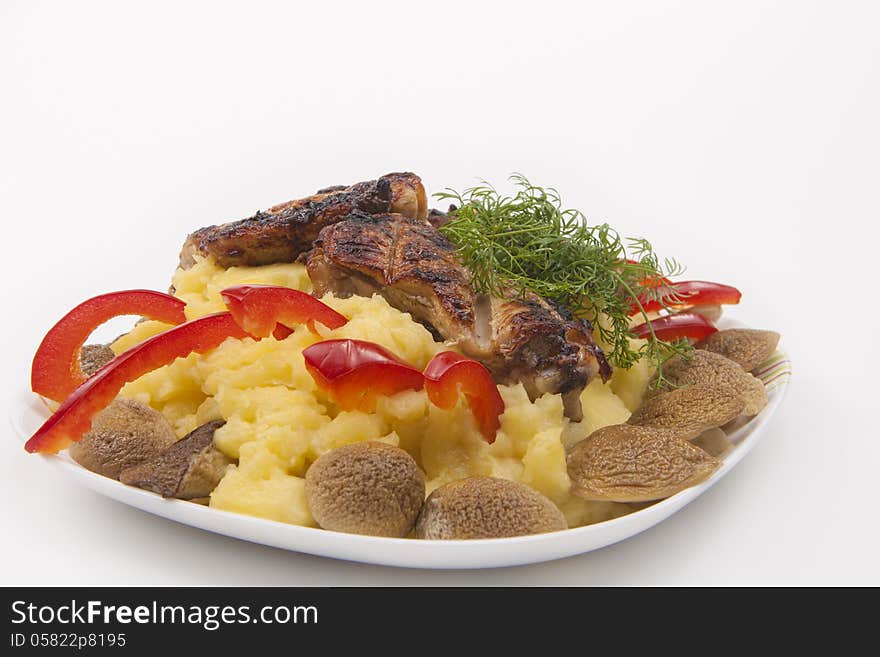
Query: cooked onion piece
x,y
712,312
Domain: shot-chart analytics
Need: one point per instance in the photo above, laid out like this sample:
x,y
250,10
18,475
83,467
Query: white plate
x,y
410,553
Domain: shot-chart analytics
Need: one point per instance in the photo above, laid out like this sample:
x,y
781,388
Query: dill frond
x,y
529,242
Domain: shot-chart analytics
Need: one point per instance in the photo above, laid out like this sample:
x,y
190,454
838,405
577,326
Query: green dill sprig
x,y
528,242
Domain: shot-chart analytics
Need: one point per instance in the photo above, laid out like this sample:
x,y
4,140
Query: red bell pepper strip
x,y
676,327
262,309
449,374
650,281
281,332
684,294
355,373
74,417
56,371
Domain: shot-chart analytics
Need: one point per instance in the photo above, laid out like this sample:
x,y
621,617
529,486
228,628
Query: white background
x,y
742,138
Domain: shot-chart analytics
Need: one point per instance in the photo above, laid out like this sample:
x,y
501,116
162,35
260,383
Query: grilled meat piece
x,y
413,265
284,231
438,218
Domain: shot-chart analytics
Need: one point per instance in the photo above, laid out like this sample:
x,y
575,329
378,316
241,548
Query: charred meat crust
x,y
414,267
548,343
285,231
378,237
393,254
438,218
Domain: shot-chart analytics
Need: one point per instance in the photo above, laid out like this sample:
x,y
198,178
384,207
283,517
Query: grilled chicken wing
x,y
284,231
438,218
413,266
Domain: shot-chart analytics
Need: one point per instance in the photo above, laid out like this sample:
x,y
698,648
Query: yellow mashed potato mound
x,y
278,422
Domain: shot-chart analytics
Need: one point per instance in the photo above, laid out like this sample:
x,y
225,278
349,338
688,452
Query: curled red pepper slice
x,y
684,294
355,373
676,327
56,372
650,281
264,310
74,417
449,374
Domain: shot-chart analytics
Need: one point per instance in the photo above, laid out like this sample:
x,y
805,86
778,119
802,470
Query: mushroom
x,y
366,488
93,357
714,441
487,507
691,410
122,435
190,468
748,348
629,463
707,367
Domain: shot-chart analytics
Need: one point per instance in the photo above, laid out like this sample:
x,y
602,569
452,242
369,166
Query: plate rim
x,y
406,552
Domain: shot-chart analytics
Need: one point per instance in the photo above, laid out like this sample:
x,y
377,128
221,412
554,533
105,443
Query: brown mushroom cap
x,y
692,409
122,435
190,468
748,348
714,442
93,357
707,367
628,463
366,488
486,507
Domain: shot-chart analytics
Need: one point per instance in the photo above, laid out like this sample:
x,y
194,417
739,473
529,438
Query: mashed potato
x,y
278,422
